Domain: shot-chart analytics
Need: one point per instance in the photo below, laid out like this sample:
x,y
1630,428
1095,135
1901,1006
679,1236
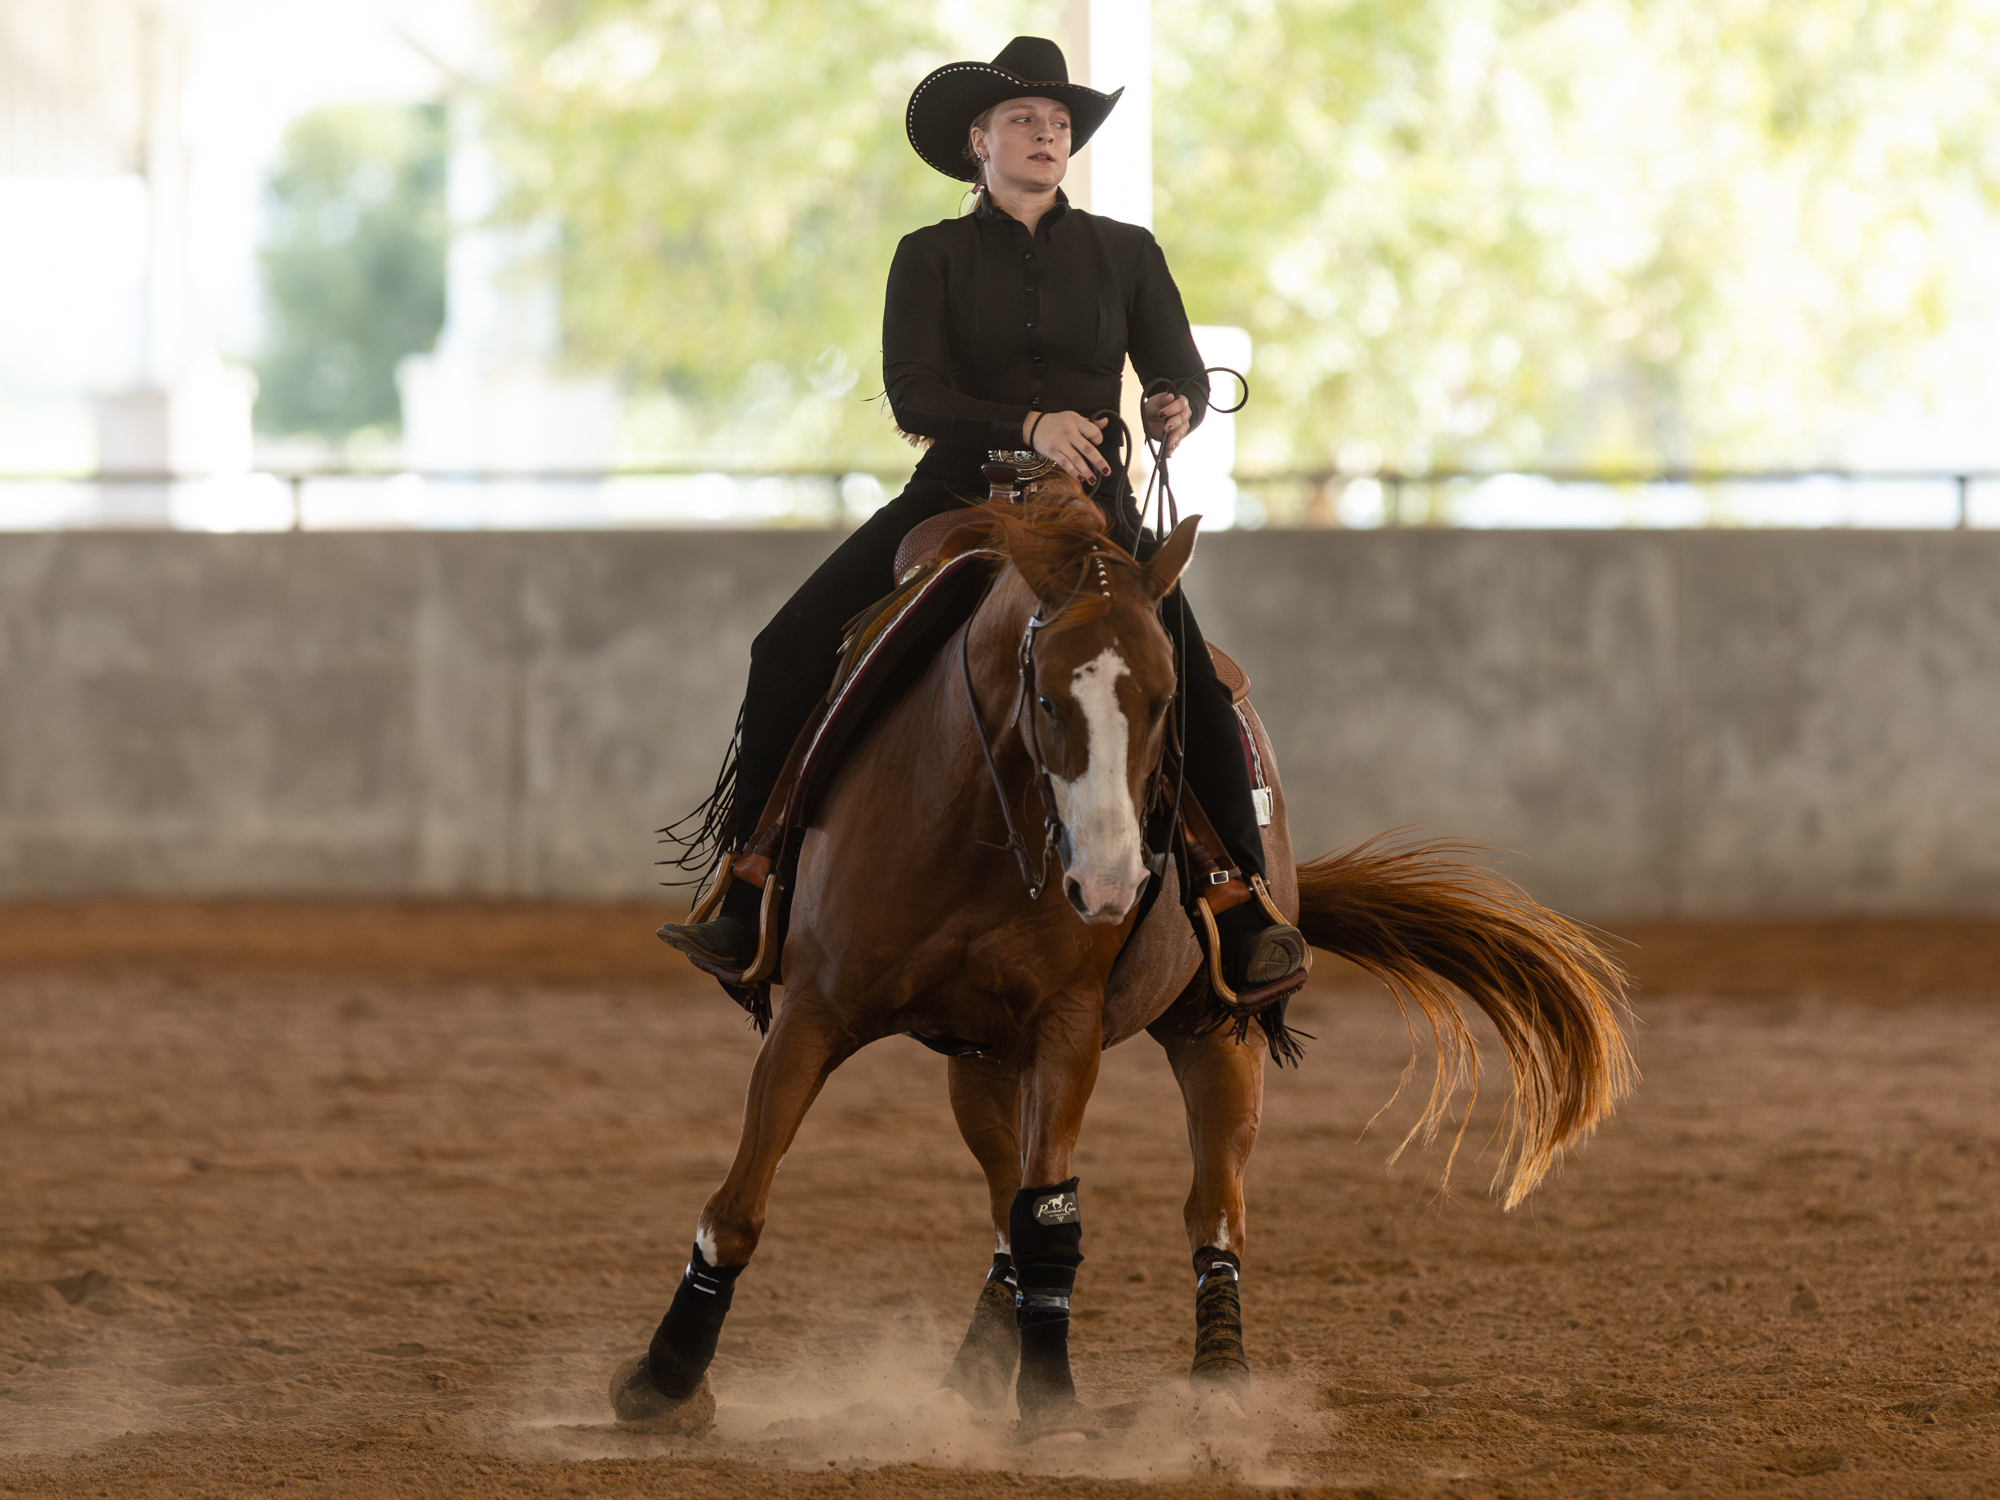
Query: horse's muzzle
x,y
1106,915
1102,889
1101,902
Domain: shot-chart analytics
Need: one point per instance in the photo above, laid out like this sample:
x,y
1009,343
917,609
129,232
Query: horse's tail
x,y
1426,921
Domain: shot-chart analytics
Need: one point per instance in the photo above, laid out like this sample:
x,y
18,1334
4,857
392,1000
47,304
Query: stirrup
x,y
765,959
1247,1001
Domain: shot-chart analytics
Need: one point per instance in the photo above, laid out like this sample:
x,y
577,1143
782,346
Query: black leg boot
x,y
1045,1226
1219,1360
666,1384
984,1368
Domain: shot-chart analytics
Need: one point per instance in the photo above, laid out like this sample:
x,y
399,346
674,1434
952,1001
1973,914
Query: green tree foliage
x,y
353,266
731,180
1486,231
1462,232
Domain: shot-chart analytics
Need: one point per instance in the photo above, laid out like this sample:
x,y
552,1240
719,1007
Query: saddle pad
x,y
887,649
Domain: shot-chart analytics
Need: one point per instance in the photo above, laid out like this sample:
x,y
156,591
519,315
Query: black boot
x,y
729,938
1255,950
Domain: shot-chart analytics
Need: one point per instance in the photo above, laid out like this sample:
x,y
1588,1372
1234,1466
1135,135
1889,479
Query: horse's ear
x,y
1164,569
1047,587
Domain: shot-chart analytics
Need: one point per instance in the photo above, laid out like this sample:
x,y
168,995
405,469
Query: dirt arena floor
x,y
363,1199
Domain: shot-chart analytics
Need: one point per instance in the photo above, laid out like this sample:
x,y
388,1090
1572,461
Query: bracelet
x,y
1031,429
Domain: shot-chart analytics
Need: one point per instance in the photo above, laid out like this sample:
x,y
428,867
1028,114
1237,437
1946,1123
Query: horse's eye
x,y
1047,707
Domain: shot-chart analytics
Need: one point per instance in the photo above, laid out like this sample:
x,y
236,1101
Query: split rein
x,y
1036,878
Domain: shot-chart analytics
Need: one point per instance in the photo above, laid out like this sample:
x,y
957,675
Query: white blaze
x,y
1096,807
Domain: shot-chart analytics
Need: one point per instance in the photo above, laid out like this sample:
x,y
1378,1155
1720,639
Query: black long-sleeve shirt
x,y
985,323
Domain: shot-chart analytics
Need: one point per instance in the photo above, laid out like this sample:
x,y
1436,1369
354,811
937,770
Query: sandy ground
x,y
367,1199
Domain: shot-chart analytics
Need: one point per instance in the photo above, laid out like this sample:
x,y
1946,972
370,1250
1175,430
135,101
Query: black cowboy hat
x,y
1030,67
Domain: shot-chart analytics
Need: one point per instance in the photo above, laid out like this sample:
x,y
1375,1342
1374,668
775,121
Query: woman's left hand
x,y
1168,419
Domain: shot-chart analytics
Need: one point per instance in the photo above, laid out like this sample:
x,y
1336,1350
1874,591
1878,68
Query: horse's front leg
x,y
986,1103
1044,1220
807,1042
1222,1084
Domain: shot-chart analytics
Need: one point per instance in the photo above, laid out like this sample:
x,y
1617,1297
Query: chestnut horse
x,y
909,916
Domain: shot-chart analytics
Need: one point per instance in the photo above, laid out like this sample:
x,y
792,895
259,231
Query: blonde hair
x,y
982,122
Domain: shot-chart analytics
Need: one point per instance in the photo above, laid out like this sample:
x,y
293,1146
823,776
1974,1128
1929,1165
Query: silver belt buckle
x,y
1025,462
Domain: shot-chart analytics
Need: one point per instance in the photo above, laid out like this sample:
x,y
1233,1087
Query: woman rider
x,y
1001,329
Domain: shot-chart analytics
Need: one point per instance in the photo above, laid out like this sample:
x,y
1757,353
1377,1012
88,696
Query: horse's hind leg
x,y
805,1045
1222,1084
986,1102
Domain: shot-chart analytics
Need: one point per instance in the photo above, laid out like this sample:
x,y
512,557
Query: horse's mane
x,y
1050,539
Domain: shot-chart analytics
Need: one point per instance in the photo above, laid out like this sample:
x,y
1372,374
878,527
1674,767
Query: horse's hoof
x,y
946,1402
1215,1405
637,1402
978,1385
1226,1375
1068,1419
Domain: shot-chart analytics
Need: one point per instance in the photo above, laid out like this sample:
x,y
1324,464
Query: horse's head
x,y
1103,678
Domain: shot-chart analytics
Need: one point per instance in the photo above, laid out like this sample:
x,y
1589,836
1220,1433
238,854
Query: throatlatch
x,y
684,1344
1045,1228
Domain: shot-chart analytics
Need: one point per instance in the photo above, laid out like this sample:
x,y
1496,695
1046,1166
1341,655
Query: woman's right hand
x,y
1071,439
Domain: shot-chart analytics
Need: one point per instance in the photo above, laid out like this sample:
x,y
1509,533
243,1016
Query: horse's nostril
x,y
1075,893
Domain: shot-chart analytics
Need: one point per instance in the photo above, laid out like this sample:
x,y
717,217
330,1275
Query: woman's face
x,y
1026,145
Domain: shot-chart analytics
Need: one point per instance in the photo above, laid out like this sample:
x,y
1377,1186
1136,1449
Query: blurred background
x,y
1492,262
1619,483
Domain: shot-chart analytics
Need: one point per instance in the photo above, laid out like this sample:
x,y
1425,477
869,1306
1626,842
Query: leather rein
x,y
1037,877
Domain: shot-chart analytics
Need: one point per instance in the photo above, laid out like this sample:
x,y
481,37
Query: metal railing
x,y
1286,498
1397,485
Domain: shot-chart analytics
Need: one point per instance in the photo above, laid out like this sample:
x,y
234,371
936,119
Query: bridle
x,y
1054,833
1036,876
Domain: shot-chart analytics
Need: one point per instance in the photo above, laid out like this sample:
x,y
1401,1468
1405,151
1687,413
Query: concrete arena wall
x,y
1657,723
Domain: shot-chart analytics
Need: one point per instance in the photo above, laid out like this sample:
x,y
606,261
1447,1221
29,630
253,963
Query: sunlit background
x,y
590,263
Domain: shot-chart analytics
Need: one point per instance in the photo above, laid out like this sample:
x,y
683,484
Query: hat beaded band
x,y
947,101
